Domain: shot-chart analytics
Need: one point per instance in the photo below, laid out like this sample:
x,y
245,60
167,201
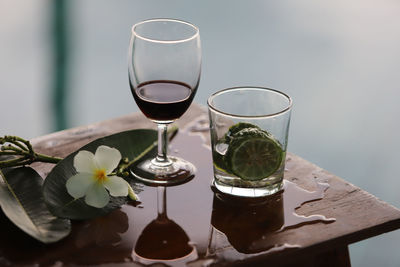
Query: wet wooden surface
x,y
193,213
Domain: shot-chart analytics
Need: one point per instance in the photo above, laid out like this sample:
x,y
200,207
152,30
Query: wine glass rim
x,y
165,41
287,107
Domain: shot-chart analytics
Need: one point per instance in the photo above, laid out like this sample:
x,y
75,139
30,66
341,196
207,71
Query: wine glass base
x,y
178,172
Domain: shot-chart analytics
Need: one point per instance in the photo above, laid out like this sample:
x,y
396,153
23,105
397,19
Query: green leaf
x,y
22,202
131,144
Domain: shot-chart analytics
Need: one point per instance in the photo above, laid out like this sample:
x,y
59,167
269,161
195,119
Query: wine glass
x,y
164,72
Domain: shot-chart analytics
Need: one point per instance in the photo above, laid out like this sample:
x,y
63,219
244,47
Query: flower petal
x,y
78,185
97,196
107,158
132,194
117,186
84,162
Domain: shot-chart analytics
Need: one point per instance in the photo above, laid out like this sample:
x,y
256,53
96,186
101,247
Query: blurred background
x,y
64,64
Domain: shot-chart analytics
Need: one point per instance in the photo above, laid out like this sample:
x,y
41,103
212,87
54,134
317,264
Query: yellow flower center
x,y
100,175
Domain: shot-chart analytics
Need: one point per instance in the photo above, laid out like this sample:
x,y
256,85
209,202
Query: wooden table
x,y
201,228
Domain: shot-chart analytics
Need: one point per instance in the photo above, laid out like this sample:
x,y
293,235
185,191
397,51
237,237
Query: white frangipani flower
x,y
92,178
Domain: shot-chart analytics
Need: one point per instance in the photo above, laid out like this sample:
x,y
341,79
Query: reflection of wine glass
x,y
164,73
163,240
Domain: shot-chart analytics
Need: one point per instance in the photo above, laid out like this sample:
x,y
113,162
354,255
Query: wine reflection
x,y
246,223
163,240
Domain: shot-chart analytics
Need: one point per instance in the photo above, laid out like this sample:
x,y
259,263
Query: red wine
x,y
163,100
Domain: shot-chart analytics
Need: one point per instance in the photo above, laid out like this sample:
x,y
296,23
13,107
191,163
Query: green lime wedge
x,y
234,129
251,133
253,154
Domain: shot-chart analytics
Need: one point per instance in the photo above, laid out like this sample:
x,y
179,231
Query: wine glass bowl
x,y
164,64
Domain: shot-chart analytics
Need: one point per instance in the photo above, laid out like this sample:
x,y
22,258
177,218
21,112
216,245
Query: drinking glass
x,y
249,134
164,71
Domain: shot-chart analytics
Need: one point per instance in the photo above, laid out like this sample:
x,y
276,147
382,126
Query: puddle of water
x,y
295,196
247,227
199,127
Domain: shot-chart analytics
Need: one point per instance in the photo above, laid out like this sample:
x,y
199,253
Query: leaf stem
x,y
15,162
23,152
46,158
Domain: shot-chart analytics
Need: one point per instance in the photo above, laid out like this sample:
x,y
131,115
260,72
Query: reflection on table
x,y
163,240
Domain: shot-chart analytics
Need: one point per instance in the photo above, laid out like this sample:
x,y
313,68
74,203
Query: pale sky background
x,y
339,60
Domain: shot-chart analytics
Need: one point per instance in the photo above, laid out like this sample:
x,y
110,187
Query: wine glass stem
x,y
162,202
162,159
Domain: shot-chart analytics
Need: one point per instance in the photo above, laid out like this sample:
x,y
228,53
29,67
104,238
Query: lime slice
x,y
234,129
253,155
251,133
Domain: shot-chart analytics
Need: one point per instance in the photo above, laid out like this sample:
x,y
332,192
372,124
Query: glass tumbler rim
x,y
255,88
155,40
